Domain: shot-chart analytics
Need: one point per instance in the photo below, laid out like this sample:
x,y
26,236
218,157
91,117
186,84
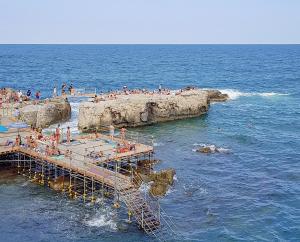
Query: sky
x,y
150,21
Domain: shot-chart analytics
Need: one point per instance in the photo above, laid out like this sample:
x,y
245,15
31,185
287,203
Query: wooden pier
x,y
85,177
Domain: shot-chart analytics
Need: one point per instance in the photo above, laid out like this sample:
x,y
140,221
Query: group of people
x,y
8,96
64,90
113,94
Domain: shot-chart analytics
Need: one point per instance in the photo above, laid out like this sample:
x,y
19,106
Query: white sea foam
x,y
234,94
175,178
158,144
72,123
102,219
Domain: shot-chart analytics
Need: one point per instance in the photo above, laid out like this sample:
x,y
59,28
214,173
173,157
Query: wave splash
x,y
102,220
235,94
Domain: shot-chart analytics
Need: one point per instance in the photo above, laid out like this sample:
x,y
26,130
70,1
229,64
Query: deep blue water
x,y
249,194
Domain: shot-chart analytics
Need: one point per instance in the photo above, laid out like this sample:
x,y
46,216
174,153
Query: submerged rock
x,y
210,149
206,149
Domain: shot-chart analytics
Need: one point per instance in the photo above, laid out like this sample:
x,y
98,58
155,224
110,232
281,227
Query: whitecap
x,y
235,94
102,220
157,144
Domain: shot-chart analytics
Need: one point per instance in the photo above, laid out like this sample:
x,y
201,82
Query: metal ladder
x,y
148,213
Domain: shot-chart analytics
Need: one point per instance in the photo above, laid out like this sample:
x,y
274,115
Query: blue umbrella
x,y
3,129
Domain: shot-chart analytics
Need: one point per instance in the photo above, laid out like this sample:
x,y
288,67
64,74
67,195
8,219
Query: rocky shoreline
x,y
144,109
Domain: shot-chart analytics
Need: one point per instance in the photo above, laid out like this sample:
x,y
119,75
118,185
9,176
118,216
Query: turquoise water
x,y
251,192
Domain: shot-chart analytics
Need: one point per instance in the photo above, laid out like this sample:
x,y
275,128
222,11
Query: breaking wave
x,y
102,220
234,94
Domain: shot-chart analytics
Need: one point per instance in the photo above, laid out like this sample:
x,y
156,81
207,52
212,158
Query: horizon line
x,y
150,43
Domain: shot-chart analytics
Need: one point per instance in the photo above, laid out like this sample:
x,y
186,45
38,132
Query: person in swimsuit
x,y
68,135
57,134
38,95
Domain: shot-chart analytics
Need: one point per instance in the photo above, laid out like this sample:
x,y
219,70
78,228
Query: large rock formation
x,y
143,109
44,114
161,181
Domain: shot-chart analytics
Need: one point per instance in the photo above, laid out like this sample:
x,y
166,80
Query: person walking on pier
x,y
111,131
68,135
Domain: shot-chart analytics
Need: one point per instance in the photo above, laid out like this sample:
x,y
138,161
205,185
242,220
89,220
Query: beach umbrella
x,y
3,129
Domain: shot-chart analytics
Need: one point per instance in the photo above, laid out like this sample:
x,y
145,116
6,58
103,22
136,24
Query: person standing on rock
x,y
159,88
54,92
68,135
111,131
57,134
28,94
38,95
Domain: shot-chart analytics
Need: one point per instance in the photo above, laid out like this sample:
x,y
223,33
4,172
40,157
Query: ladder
x,y
148,213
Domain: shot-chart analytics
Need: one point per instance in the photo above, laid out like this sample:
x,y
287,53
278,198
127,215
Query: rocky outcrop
x,y
44,114
211,149
217,96
141,109
161,181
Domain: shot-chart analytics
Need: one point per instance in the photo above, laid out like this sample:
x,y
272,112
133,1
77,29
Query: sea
x,y
248,191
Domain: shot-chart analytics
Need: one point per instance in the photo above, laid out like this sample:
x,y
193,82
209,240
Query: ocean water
x,y
248,192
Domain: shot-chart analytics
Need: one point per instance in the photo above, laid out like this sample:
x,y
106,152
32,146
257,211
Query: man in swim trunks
x,y
68,135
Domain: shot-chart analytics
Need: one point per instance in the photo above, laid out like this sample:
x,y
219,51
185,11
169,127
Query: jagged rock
x,y
217,96
210,149
161,181
140,109
43,115
205,150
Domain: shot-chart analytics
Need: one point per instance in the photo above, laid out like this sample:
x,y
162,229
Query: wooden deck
x,y
79,161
